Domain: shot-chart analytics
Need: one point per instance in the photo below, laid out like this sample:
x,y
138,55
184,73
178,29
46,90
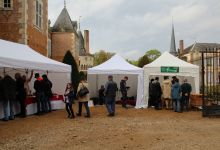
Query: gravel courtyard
x,y
144,129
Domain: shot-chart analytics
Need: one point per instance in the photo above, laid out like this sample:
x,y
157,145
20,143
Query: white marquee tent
x,y
118,67
21,58
16,57
168,60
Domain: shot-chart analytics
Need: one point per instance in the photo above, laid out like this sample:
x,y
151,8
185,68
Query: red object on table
x,y
32,99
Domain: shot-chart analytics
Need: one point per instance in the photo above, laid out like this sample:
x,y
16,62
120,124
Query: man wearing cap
x,y
39,89
186,90
110,94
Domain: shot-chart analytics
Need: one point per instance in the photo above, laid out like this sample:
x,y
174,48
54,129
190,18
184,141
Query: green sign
x,y
169,69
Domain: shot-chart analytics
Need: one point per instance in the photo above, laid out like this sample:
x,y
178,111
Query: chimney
x,y
86,42
181,47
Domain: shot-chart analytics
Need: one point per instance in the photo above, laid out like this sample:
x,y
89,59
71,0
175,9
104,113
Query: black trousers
x,y
157,102
48,104
124,98
69,109
21,98
86,107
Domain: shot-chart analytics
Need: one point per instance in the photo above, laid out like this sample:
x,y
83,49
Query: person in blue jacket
x,y
175,94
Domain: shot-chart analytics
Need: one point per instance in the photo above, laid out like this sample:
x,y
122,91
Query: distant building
x,y
25,22
192,54
86,60
67,36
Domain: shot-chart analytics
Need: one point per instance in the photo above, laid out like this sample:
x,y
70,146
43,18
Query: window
x,y
38,13
7,3
209,62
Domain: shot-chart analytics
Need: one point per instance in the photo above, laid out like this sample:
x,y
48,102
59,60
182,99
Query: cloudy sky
x,y
131,27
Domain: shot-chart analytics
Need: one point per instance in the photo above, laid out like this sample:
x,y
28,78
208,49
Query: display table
x,y
196,100
31,105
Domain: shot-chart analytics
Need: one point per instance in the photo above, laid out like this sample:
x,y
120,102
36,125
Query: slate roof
x,y
64,23
201,47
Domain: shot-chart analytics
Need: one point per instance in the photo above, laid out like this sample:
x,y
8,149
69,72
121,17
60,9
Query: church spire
x,y
173,43
64,3
79,21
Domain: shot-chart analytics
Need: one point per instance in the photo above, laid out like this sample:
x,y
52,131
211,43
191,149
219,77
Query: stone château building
x,y
192,54
67,36
25,22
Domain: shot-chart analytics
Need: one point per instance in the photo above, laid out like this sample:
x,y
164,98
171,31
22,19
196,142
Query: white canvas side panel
x,y
59,80
95,82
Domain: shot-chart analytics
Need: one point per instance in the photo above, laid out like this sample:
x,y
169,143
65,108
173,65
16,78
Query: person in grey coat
x,y
110,94
9,96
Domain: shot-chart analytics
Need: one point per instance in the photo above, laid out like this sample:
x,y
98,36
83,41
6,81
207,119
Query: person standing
x,y
39,90
123,89
47,92
21,94
166,88
175,93
68,99
9,96
156,93
110,94
83,99
26,83
186,89
101,95
150,90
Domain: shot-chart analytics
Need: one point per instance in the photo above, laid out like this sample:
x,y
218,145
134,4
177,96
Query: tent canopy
x,y
115,65
19,56
118,65
168,60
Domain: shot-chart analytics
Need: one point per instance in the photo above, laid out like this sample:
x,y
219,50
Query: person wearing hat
x,y
110,94
39,91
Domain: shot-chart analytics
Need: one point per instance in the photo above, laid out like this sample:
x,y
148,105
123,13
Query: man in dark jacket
x,y
110,94
21,94
150,99
123,89
39,89
9,94
47,91
156,93
186,90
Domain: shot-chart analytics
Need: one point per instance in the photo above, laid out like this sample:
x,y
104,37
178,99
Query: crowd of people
x,y
17,90
107,95
169,95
